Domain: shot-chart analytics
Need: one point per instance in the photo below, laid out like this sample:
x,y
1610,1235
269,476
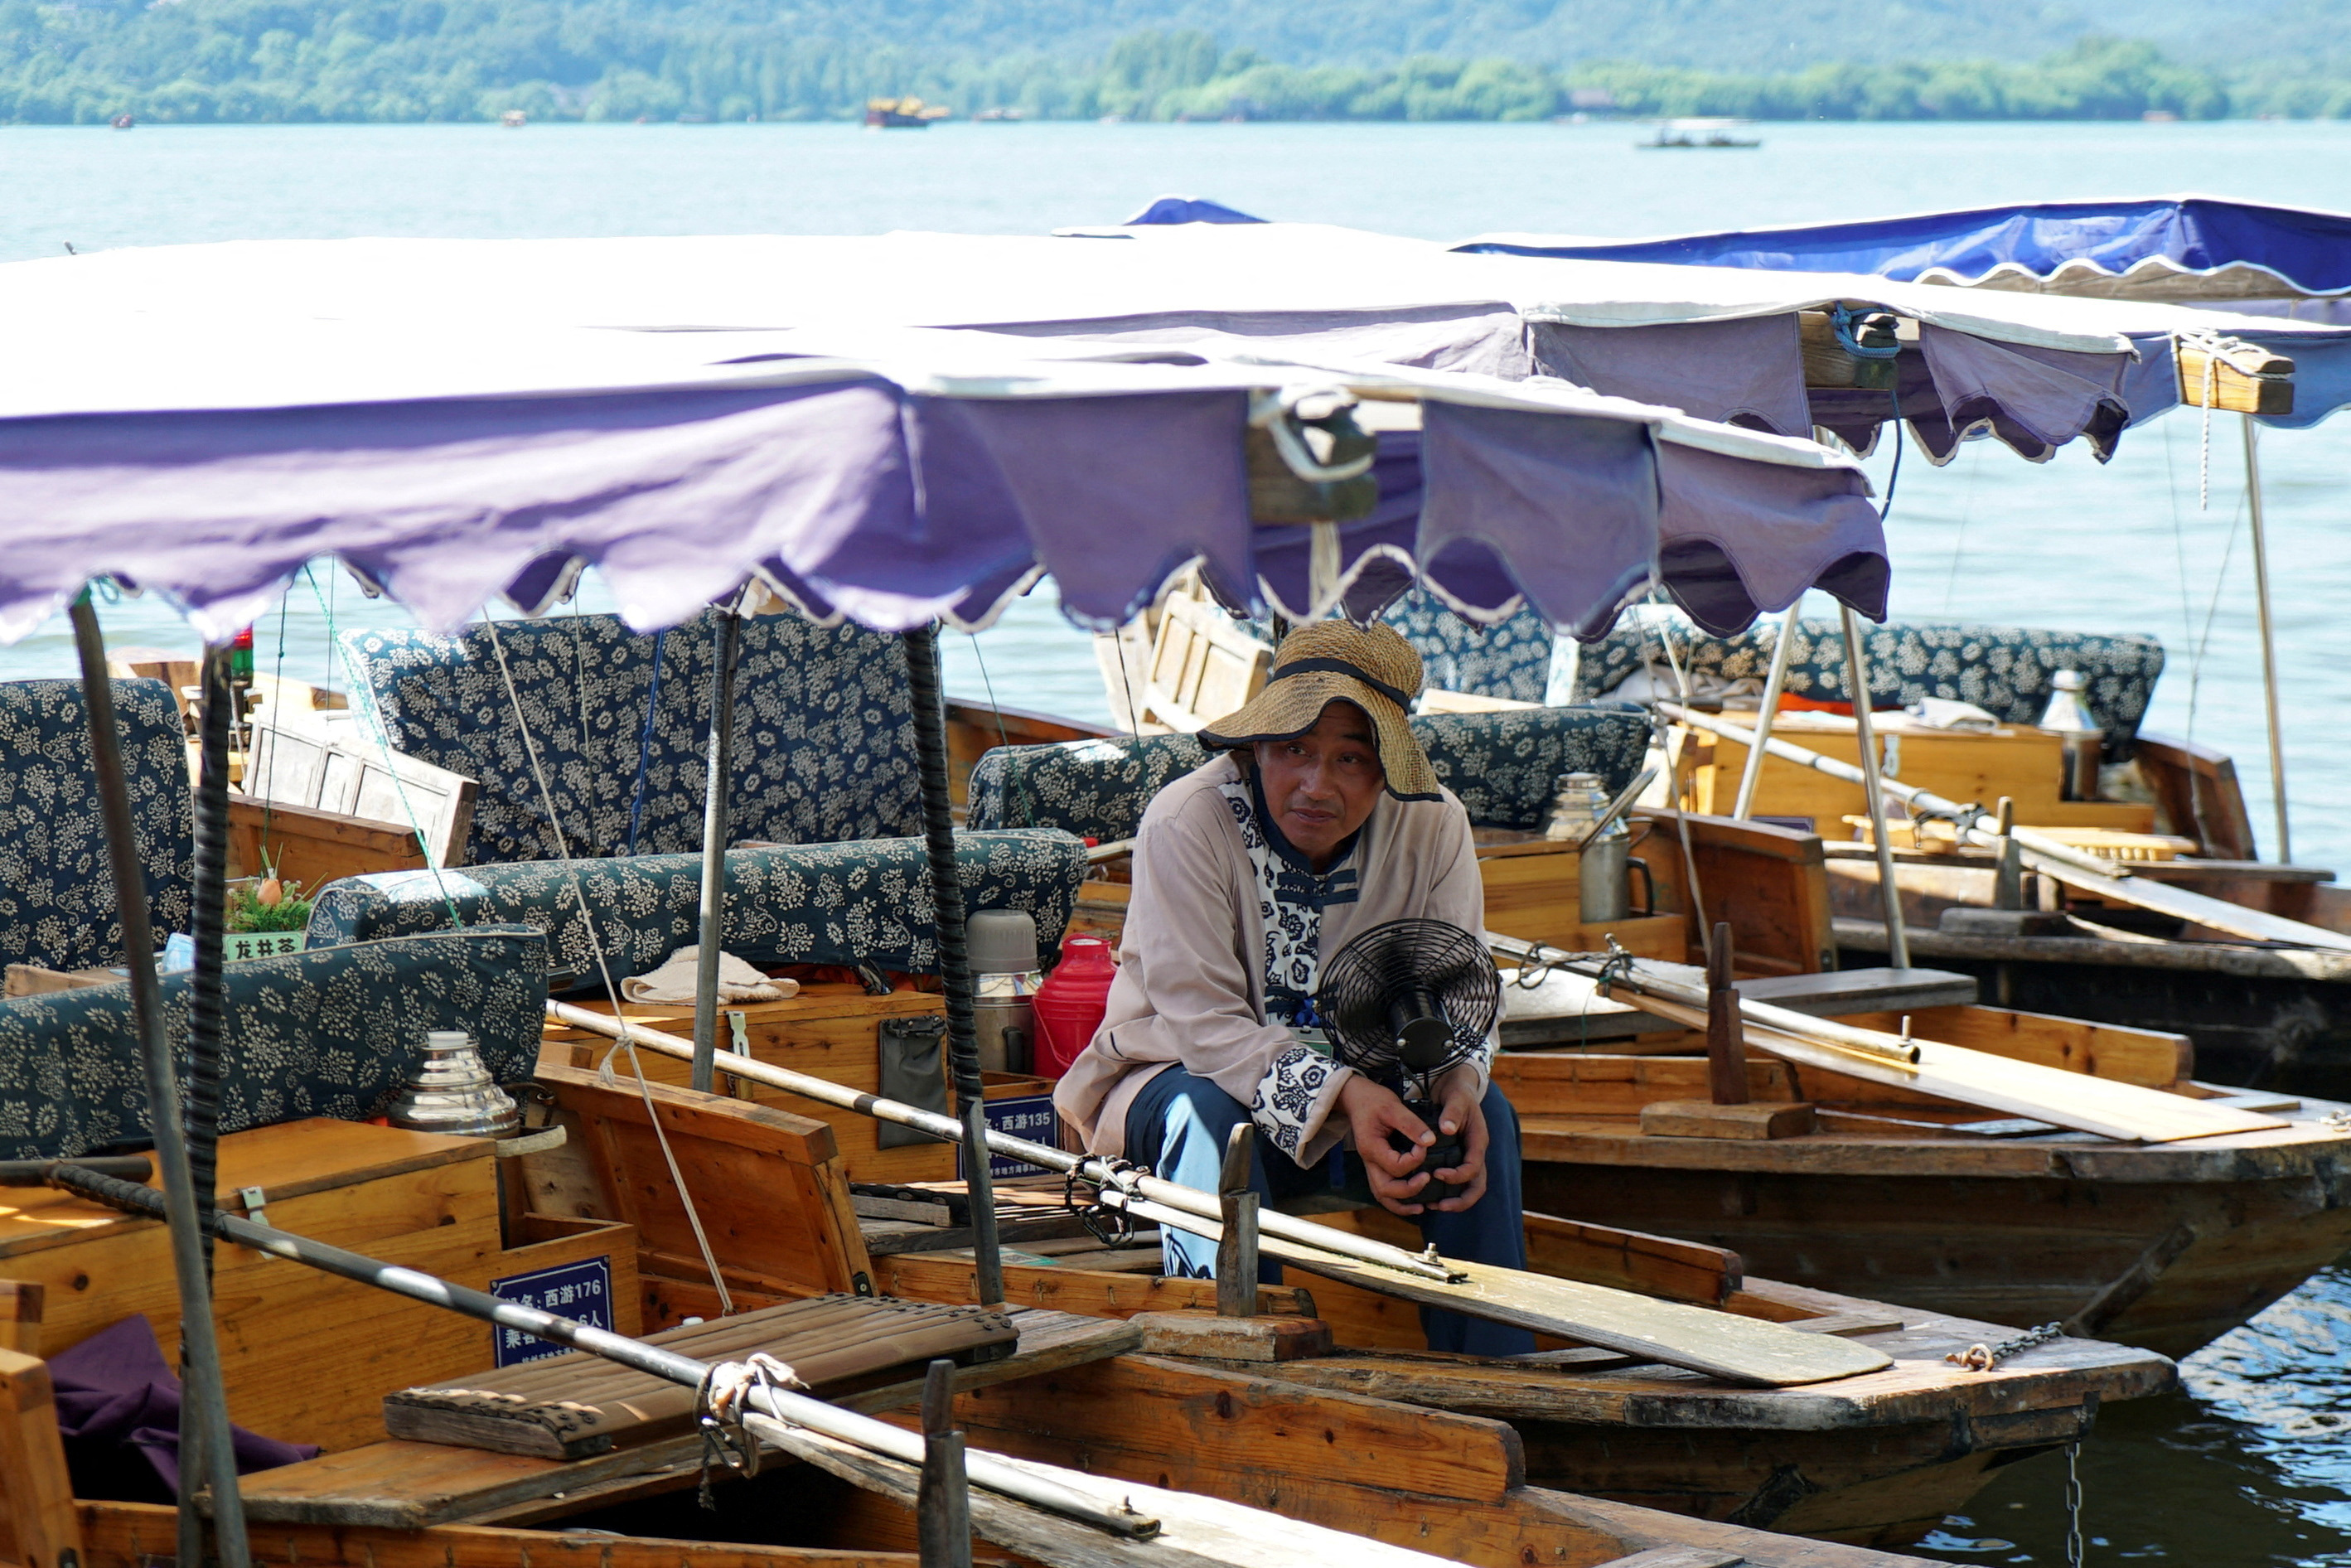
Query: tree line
x,y
87,61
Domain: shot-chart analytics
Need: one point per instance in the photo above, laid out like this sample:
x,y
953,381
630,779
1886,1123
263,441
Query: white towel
x,y
673,981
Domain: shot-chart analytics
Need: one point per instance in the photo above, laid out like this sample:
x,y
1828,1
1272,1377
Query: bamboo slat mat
x,y
570,1406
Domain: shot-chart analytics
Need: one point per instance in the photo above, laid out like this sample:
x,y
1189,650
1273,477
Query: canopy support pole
x,y
1753,772
203,1408
922,645
2269,639
1856,681
715,784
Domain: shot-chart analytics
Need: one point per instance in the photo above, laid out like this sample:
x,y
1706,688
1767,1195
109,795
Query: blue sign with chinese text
x,y
581,1291
1031,1117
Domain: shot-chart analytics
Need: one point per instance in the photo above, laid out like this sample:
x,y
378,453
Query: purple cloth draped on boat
x,y
118,1410
1789,530
1746,372
1751,372
859,497
1568,507
1735,540
2035,399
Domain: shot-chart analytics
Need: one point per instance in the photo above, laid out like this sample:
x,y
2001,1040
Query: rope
x,y
603,967
720,1405
644,745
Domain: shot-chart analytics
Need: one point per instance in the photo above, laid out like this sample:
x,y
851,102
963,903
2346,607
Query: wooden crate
x,y
1534,892
2021,762
827,1031
296,1360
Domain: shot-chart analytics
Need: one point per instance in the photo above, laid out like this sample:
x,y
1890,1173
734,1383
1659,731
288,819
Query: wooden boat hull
x,y
2034,1234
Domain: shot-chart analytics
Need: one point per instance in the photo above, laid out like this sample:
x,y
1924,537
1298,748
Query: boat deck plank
x,y
409,1484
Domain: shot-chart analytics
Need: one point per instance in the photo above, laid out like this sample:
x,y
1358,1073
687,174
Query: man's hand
x,y
1373,1111
1458,1110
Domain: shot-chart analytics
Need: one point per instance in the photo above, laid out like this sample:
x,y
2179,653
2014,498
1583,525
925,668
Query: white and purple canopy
x,y
2267,266
456,421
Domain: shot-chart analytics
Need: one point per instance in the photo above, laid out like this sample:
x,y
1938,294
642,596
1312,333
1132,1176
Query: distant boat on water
x,y
1698,135
902,113
514,119
124,122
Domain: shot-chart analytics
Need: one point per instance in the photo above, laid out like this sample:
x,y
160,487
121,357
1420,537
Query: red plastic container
x,y
1070,1003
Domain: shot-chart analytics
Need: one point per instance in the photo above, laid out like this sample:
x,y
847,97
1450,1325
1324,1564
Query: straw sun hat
x,y
1371,666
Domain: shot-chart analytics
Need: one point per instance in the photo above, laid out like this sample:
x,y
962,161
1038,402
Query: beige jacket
x,y
1190,987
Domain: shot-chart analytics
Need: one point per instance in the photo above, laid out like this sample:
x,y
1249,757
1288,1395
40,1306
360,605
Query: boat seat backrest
x,y
2004,670
1510,659
824,739
56,891
330,1031
860,902
1503,766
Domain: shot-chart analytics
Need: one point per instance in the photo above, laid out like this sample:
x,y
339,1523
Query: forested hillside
x,y
83,60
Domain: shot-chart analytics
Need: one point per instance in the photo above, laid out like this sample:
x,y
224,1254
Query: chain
x,y
2072,1505
1984,1357
1111,1226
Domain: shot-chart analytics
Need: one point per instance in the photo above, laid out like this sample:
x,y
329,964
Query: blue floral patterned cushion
x,y
1510,659
824,739
2004,670
867,902
56,890
332,1031
1503,766
1095,788
1506,766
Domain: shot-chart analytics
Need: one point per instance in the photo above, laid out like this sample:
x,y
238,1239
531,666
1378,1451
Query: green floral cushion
x,y
330,1031
824,739
56,890
866,901
1509,659
1503,766
2004,670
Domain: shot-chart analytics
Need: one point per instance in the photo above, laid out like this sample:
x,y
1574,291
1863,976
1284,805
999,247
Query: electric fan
x,y
1402,1002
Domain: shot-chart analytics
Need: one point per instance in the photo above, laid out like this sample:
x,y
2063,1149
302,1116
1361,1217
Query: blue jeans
x,y
1178,1124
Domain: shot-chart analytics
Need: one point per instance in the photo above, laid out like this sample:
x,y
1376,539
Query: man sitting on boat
x,y
1319,819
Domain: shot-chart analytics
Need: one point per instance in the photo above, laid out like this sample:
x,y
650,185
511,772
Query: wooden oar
x,y
1721,1344
2075,1100
2060,861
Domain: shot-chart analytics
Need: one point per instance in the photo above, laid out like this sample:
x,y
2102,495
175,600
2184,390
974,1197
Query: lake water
x,y
2247,1464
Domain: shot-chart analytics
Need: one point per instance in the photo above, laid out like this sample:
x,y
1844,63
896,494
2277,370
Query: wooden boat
x,y
2266,1014
2165,1247
1189,1439
1875,1459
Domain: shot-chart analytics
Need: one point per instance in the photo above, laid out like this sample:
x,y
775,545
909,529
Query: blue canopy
x,y
2303,252
2288,262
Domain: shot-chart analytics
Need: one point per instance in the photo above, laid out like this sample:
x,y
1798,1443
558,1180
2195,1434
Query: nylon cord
x,y
596,944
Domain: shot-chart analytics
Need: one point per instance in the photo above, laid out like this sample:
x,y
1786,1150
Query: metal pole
x,y
206,991
922,646
204,1408
1856,680
1753,771
1116,1183
2269,639
798,1409
716,783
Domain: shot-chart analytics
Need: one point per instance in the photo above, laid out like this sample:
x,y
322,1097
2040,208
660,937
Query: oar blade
x,y
1718,1343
